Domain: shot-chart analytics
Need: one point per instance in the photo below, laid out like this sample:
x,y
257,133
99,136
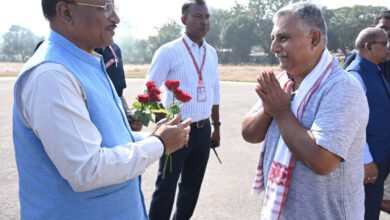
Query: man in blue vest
x,y
76,155
372,47
381,20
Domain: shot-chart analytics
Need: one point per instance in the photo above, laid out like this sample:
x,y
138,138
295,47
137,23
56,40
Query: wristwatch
x,y
216,123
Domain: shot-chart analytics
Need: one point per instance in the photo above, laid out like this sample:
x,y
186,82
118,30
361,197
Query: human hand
x,y
135,123
275,99
215,136
174,134
370,173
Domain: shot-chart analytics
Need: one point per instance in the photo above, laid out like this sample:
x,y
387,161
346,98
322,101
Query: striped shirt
x,y
173,61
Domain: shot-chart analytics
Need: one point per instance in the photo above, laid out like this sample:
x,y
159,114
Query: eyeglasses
x,y
384,43
108,8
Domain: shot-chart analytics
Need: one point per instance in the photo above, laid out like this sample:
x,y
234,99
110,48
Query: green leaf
x,y
175,109
137,105
144,119
161,110
150,118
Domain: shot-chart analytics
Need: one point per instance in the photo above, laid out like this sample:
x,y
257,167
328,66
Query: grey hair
x,y
309,14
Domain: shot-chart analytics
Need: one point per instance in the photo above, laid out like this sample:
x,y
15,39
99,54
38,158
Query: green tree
x,y
167,32
218,18
344,24
19,43
262,11
232,37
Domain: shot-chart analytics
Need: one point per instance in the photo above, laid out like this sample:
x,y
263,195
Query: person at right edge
x,y
382,21
194,63
372,47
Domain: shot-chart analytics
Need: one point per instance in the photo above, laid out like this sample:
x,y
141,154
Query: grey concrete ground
x,y
225,192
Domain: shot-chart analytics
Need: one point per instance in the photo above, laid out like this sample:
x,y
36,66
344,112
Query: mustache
x,y
281,54
113,26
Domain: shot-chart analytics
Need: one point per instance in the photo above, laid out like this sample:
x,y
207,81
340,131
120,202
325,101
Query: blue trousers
x,y
189,163
374,193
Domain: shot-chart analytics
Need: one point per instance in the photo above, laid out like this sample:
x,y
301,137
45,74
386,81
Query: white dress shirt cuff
x,y
153,147
367,155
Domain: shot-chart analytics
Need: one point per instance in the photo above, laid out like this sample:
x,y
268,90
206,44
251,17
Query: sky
x,y
142,16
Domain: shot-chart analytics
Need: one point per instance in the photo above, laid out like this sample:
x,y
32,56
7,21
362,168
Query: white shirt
x,y
53,104
173,62
367,154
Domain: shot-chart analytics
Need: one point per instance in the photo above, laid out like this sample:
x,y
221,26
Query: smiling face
x,y
92,27
293,45
197,22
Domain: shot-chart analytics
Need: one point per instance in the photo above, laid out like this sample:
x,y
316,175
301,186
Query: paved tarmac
x,y
226,187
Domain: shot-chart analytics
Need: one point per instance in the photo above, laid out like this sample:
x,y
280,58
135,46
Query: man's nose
x,y
275,47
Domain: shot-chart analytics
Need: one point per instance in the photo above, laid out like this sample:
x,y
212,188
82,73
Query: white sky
x,y
143,15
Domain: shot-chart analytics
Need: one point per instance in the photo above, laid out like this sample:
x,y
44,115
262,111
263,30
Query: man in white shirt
x,y
194,62
76,155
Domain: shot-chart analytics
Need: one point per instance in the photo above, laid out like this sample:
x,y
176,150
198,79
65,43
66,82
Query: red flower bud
x,y
154,98
143,98
150,85
154,91
182,96
154,94
172,85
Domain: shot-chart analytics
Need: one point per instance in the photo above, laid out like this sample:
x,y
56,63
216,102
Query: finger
x,y
263,84
175,120
288,87
187,129
186,123
162,121
259,77
273,81
258,90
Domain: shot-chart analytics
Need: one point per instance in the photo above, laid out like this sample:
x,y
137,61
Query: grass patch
x,y
239,73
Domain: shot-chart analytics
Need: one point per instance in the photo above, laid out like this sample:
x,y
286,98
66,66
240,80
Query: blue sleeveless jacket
x,y
378,96
43,192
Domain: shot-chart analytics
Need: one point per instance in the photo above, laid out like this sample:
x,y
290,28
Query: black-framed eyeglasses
x,y
384,43
108,8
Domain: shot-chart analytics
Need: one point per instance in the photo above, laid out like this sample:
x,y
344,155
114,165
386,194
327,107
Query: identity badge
x,y
201,93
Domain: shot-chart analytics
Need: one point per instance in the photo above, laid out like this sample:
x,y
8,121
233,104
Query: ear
x,y
63,12
183,20
367,46
316,37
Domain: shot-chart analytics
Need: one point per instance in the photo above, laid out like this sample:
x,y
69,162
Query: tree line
x,y
240,34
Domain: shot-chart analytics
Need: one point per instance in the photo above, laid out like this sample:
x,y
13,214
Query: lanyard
x,y
110,62
195,63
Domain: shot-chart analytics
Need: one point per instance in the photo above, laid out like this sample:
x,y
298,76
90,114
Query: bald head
x,y
371,43
368,35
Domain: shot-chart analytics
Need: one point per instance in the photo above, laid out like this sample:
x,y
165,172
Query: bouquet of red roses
x,y
147,104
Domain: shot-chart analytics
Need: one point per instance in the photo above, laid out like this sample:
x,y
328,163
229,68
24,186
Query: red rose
x,y
182,96
154,98
154,94
154,91
150,85
143,98
172,85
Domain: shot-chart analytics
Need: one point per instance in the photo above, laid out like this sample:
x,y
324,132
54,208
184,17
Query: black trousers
x,y
189,163
374,193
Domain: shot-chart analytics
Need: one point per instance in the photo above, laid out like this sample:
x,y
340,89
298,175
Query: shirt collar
x,y
190,42
367,63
